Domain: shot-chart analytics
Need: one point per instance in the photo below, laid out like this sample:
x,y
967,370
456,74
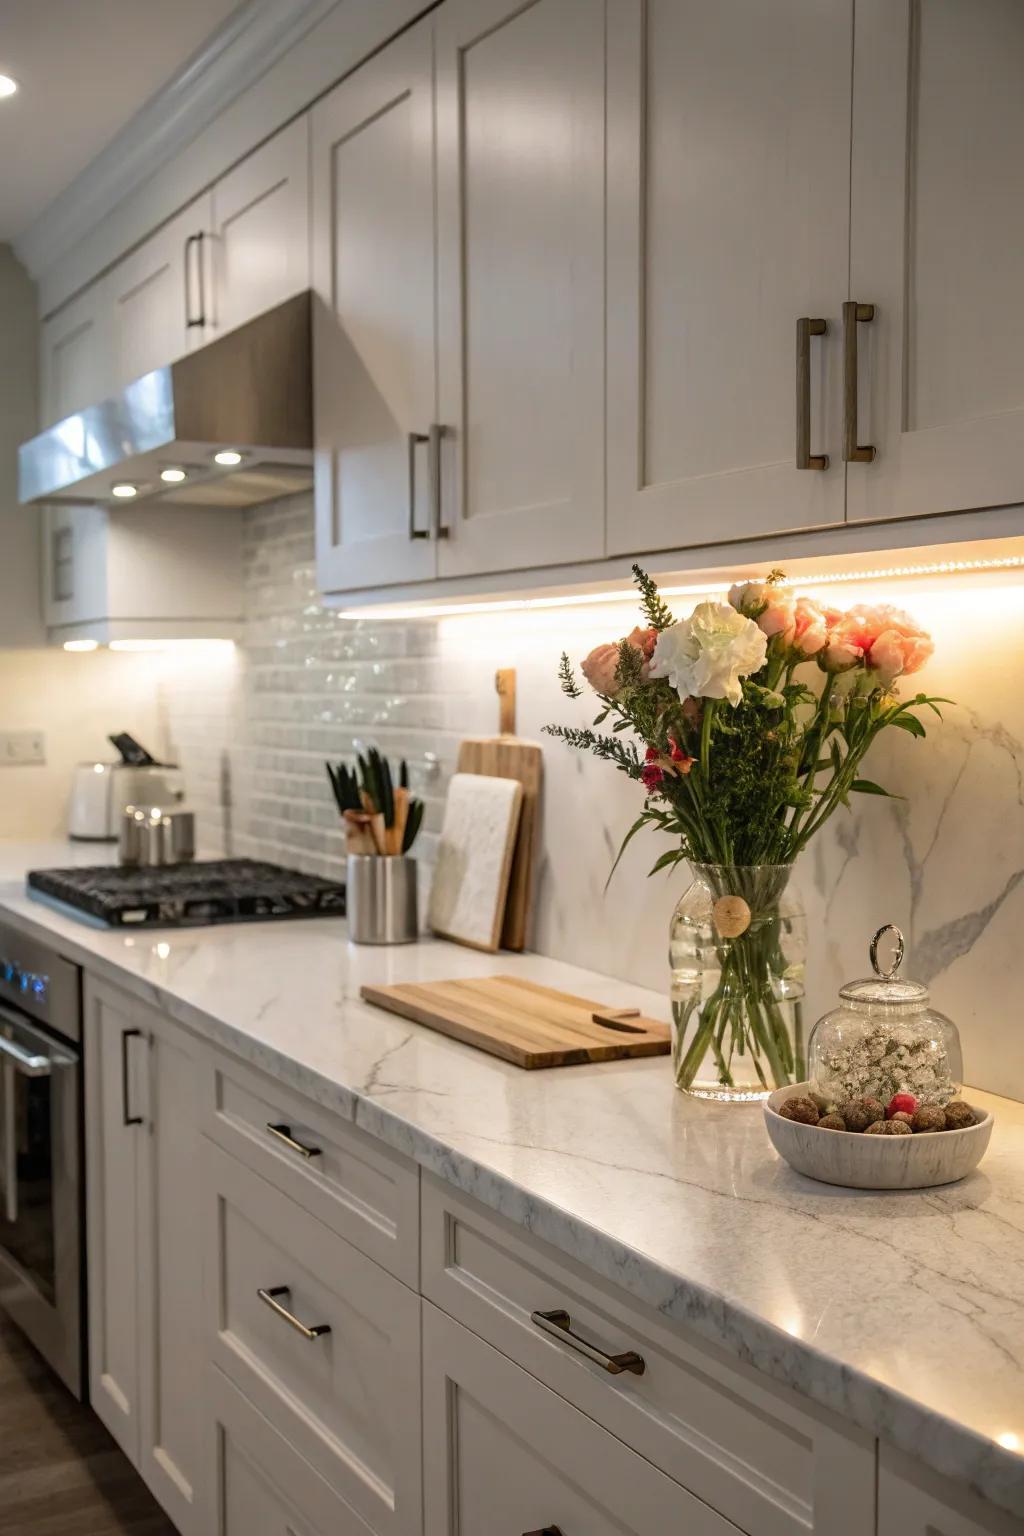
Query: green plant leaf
x,y
908,723
641,821
672,857
869,787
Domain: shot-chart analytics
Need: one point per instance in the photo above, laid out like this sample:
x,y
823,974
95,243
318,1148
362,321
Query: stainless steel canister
x,y
153,837
380,899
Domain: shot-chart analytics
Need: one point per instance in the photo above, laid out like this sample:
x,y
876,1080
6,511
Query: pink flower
x,y
769,605
599,669
652,773
601,665
845,647
900,647
681,761
810,627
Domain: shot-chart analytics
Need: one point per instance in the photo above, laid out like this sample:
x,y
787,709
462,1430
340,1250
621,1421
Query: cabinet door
x,y
161,293
373,334
75,354
257,1485
728,220
114,1083
937,230
169,1270
75,571
503,1452
520,115
261,229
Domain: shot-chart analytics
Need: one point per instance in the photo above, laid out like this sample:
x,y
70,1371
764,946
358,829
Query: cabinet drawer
x,y
256,1484
359,1188
745,1446
345,1389
504,1454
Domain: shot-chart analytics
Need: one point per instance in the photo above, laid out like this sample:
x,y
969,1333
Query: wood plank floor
x,y
60,1472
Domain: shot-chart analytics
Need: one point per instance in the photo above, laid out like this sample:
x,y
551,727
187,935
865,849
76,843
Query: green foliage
x,y
567,678
656,611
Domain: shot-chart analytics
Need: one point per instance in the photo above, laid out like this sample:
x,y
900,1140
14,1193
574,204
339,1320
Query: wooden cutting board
x,y
529,1025
506,757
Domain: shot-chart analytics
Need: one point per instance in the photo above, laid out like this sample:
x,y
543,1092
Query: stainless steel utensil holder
x,y
381,899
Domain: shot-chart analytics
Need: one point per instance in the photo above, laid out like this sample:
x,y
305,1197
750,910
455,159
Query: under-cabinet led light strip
x,y
595,599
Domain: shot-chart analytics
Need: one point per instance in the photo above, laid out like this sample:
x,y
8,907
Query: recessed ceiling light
x,y
124,490
7,85
227,457
173,476
81,645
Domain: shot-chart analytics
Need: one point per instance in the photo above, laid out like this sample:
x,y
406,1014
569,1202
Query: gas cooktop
x,y
187,895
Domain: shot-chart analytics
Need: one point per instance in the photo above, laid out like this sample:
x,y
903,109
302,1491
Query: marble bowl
x,y
875,1162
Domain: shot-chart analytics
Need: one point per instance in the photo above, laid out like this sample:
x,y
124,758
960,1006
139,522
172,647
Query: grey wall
x,y
20,609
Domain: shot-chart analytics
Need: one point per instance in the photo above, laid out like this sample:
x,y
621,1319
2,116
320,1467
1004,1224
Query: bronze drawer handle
x,y
269,1298
805,329
559,1325
284,1133
854,314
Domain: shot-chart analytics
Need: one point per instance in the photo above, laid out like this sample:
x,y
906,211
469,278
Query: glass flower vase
x,y
737,948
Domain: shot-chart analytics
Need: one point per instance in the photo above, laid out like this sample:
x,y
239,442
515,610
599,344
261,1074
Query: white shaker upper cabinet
x,y
75,362
937,232
728,188
261,229
520,116
373,321
161,296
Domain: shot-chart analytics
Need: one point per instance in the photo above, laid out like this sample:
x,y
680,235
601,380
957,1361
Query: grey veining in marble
x,y
903,1312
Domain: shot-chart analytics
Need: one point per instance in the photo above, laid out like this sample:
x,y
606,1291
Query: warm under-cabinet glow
x,y
81,645
178,645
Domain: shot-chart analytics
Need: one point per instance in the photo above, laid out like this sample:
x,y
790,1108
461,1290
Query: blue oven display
x,y
27,983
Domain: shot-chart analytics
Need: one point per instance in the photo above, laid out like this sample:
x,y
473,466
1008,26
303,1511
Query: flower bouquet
x,y
744,753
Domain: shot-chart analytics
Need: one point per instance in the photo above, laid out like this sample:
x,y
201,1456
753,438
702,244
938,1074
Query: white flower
x,y
705,656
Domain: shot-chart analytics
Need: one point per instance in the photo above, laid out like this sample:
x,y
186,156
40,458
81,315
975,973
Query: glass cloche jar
x,y
885,1039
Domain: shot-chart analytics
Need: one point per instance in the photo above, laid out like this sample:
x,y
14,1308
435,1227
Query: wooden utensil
x,y
507,757
524,1023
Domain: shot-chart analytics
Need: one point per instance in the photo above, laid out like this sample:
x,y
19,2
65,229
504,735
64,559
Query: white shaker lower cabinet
x,y
145,1259
520,226
728,221
321,1340
914,1501
936,234
501,1451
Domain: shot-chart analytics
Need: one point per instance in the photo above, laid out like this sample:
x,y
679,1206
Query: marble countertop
x,y
903,1312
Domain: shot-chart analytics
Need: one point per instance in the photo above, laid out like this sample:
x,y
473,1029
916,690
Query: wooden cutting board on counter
x,y
529,1025
506,757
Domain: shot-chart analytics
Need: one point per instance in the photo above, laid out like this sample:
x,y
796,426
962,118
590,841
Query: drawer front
x,y
256,1484
344,1391
357,1186
741,1444
504,1454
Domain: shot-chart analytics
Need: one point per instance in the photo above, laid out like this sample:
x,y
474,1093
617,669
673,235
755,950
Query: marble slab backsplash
x,y
945,862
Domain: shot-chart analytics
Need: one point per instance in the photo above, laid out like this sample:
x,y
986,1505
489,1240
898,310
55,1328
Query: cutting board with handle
x,y
522,1022
506,757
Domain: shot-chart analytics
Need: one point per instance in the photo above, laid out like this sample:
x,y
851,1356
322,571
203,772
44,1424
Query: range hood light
x,y
228,457
124,490
81,645
173,476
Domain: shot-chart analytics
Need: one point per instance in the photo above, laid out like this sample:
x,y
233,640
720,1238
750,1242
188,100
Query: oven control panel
x,y
37,981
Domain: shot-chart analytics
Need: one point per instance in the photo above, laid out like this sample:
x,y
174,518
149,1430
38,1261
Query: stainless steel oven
x,y
41,1184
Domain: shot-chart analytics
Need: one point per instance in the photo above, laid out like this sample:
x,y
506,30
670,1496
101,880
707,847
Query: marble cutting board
x,y
474,859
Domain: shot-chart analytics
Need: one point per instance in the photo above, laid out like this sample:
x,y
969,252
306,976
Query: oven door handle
x,y
29,1063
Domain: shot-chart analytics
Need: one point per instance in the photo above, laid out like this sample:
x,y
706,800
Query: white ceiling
x,y
84,67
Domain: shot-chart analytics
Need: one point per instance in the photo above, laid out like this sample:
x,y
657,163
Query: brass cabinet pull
x,y
415,439
559,1325
854,314
284,1133
434,437
269,1297
805,329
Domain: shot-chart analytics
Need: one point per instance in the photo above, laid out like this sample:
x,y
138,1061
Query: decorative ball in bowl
x,y
869,1152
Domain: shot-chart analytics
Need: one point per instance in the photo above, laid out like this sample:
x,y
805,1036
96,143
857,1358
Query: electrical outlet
x,y
20,747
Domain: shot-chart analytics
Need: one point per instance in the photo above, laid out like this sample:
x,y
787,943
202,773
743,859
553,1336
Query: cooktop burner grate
x,y
183,895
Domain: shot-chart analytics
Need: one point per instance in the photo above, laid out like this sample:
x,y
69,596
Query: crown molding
x,y
249,43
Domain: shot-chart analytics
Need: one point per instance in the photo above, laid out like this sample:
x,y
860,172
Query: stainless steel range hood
x,y
250,393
